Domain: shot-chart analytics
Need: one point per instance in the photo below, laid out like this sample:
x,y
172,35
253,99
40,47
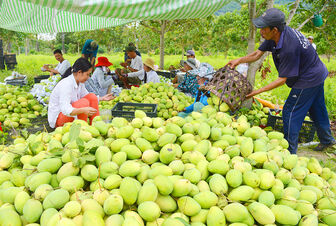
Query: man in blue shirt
x,y
300,68
90,50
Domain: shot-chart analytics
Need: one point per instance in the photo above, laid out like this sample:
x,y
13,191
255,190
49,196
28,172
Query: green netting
x,y
45,16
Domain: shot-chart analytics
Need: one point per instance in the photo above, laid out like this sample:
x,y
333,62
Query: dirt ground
x,y
333,128
308,152
327,158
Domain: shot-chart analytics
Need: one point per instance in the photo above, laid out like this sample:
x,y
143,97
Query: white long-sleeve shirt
x,y
152,76
136,63
198,63
62,67
66,92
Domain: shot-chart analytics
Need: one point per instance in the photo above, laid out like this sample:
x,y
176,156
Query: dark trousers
x,y
298,104
89,58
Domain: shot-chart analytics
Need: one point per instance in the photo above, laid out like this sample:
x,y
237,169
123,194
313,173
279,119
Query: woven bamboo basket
x,y
230,86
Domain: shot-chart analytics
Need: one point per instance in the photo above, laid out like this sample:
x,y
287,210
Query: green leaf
x,y
251,161
75,162
58,153
74,131
81,162
80,144
25,134
88,158
183,221
16,163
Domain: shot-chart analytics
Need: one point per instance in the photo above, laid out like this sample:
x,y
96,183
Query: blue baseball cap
x,y
270,18
190,53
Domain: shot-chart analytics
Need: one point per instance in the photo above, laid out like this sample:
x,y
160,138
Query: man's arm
x,y
52,71
246,59
132,69
92,61
139,74
279,82
137,64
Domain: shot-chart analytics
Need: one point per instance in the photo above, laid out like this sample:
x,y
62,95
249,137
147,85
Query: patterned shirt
x,y
189,84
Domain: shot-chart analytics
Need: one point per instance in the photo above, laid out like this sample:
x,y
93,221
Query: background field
x,y
31,66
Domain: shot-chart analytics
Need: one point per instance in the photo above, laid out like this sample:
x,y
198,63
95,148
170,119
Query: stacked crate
x,y
10,61
2,63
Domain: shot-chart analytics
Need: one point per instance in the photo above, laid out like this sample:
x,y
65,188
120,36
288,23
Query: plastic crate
x,y
16,82
126,109
166,74
39,78
306,133
11,66
2,62
40,124
10,59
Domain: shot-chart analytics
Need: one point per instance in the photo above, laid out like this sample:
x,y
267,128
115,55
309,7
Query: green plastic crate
x,y
127,110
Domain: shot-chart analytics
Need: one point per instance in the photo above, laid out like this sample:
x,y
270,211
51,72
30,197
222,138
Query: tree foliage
x,y
325,36
226,33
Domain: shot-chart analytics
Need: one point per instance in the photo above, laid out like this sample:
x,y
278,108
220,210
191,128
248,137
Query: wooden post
x,y
162,33
27,46
63,45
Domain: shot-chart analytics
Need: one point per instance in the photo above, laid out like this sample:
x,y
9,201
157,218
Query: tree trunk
x,y
27,47
251,42
253,29
292,12
63,46
250,48
9,47
37,46
253,67
270,4
162,33
135,37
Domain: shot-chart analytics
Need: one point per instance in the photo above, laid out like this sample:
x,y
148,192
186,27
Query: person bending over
x,y
135,65
146,75
90,50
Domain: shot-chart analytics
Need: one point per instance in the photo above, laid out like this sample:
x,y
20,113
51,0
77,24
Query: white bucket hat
x,y
190,61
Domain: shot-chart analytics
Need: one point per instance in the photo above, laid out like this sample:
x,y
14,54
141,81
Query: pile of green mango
x,y
17,107
205,169
170,101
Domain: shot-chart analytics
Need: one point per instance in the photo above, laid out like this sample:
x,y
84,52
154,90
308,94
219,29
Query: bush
x,y
101,49
32,51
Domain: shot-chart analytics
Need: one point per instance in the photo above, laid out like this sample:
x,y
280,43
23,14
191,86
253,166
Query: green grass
x,y
31,66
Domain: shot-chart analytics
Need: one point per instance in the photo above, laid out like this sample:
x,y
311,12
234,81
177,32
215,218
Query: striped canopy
x,y
46,16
